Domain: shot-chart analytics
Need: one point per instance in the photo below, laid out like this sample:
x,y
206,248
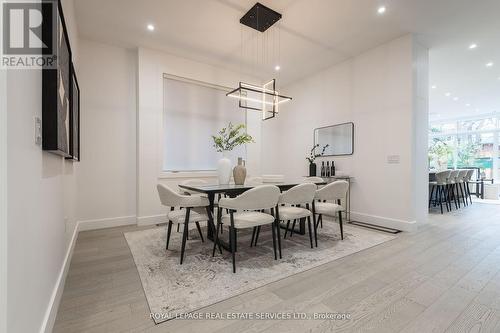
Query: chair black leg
x,y
462,193
216,240
341,223
253,236
257,236
278,232
169,230
310,231
274,240
184,234
293,228
232,236
430,196
232,232
287,227
199,231
314,224
440,197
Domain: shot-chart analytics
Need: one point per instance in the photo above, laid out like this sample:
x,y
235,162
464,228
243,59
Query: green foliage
x,y
466,153
230,137
439,152
312,155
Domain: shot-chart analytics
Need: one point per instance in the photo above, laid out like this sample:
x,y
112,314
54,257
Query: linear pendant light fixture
x,y
263,98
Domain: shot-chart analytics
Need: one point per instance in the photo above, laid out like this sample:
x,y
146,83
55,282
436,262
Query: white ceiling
x,y
315,34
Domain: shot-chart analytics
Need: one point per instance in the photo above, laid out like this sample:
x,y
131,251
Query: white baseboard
x,y
51,313
106,223
150,220
385,221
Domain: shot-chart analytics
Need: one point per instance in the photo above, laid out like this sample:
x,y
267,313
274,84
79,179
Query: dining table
x,y
232,190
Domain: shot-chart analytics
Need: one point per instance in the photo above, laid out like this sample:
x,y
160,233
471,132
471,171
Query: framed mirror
x,y
339,138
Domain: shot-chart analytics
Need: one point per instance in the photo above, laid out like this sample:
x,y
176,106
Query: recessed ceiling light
x,y
447,94
489,64
151,27
381,10
455,99
467,105
277,68
433,87
472,46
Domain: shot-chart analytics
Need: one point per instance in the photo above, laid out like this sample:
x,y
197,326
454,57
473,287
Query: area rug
x,y
172,289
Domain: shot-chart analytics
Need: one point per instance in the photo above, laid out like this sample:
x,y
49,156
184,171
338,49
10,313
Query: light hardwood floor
x,y
443,278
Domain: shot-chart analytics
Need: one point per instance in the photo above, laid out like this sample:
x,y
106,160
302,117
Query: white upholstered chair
x,y
183,191
190,203
460,180
298,196
330,197
254,181
313,180
246,211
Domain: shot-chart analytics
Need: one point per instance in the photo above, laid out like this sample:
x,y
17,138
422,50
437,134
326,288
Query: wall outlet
x,y
38,131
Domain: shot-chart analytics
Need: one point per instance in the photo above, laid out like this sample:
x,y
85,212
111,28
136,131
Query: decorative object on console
x,y
240,172
265,98
312,157
228,139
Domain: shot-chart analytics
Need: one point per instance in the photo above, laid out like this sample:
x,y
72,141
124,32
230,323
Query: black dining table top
x,y
221,188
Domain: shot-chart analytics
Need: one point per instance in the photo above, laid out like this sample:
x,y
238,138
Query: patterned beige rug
x,y
173,289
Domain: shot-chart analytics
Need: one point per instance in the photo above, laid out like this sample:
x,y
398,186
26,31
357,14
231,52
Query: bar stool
x,y
461,185
441,187
467,180
452,188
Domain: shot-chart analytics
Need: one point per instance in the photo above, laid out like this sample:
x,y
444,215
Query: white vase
x,y
224,169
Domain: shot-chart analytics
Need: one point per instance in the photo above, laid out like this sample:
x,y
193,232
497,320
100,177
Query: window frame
x,y
179,174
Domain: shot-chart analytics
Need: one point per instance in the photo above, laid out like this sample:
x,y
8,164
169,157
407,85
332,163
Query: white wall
x,y
3,198
106,191
375,91
152,65
40,194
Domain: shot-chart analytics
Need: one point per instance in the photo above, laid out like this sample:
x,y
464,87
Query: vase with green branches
x,y
227,139
312,158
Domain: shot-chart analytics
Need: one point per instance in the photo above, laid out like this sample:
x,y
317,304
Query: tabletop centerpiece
x,y
312,157
227,139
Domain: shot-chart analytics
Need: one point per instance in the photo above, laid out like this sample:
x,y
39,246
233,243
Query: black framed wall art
x,y
74,117
56,90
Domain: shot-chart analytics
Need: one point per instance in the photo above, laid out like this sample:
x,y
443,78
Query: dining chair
x,y
246,211
441,186
313,180
190,212
183,191
298,196
192,182
254,181
330,204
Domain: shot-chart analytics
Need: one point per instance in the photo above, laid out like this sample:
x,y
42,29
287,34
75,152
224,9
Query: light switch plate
x,y
393,159
38,131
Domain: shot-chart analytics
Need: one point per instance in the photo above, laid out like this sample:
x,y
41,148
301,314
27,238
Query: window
x,y
193,112
470,142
